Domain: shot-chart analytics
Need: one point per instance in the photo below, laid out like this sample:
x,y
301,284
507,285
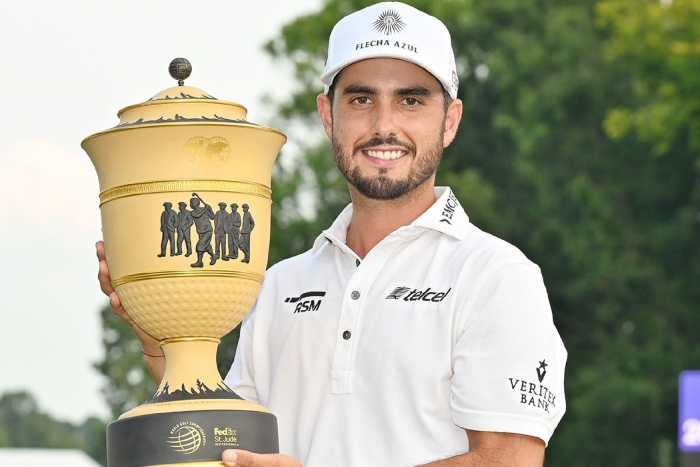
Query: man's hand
x,y
150,344
238,458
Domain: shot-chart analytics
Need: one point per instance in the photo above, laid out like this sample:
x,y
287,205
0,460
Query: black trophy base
x,y
188,437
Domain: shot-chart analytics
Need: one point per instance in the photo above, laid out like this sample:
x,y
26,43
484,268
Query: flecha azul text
x,y
385,42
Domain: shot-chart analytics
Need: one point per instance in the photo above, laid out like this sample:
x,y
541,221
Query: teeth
x,y
385,155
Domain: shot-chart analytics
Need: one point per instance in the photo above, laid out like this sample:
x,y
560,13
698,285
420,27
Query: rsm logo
x,y
313,304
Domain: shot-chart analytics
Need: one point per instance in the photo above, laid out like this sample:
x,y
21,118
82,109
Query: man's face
x,y
194,203
388,126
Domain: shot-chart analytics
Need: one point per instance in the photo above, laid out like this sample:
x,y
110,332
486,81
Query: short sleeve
x,y
240,376
508,361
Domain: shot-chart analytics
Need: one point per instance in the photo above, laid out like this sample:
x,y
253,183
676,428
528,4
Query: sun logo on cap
x,y
389,23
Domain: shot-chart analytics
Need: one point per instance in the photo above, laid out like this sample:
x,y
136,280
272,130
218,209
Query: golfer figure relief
x,y
246,229
168,225
234,233
230,231
221,221
202,215
184,226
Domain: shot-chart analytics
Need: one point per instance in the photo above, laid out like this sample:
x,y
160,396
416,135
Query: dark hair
x,y
331,88
331,92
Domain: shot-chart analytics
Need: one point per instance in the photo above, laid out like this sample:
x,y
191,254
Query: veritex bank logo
x,y
306,305
533,394
413,295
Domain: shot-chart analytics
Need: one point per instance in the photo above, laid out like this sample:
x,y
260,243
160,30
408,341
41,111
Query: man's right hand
x,y
151,345
238,458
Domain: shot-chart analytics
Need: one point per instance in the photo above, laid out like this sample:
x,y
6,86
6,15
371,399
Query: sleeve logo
x,y
533,394
541,370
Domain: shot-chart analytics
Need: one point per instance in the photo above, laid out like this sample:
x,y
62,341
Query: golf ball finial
x,y
180,69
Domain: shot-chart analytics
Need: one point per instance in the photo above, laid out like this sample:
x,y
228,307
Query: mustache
x,y
390,141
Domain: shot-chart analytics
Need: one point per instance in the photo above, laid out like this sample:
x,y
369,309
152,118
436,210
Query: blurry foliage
x,y
659,42
129,383
24,425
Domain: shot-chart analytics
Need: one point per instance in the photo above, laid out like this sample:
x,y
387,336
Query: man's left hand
x,y
238,458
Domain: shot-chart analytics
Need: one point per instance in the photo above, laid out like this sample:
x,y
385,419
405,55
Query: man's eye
x,y
362,99
411,101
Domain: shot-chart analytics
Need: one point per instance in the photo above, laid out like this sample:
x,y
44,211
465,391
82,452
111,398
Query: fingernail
x,y
230,457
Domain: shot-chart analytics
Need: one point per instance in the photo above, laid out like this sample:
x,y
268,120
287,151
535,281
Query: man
x,y
246,229
184,227
221,226
168,225
234,232
203,215
433,343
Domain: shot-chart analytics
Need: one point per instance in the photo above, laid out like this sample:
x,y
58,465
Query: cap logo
x,y
389,22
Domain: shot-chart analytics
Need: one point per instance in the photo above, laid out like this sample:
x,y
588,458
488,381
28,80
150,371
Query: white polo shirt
x,y
385,361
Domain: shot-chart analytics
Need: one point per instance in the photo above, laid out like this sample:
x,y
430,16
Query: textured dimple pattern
x,y
191,306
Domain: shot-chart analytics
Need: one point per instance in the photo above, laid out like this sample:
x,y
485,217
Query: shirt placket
x,y
355,299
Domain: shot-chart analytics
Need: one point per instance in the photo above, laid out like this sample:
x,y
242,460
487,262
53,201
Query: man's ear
x,y
452,119
326,113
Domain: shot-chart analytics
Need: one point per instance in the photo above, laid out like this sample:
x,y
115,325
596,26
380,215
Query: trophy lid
x,y
182,105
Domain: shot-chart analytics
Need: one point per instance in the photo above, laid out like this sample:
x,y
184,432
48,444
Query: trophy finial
x,y
180,69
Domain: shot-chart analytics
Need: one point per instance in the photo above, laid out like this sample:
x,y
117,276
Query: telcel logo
x,y
415,295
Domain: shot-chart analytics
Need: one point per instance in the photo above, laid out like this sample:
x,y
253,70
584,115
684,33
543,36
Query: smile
x,y
385,155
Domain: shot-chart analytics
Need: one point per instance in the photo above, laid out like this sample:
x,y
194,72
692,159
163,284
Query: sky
x,y
66,68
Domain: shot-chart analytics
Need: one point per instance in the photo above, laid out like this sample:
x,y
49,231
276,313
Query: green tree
x,y
129,383
24,425
659,41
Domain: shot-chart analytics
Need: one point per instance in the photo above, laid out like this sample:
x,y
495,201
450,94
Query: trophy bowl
x,y
186,202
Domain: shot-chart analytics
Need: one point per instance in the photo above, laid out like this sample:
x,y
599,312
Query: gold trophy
x,y
186,201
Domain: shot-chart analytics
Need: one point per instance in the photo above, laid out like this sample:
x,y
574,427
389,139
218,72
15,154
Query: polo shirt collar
x,y
446,215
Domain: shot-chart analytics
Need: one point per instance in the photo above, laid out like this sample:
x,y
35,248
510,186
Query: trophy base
x,y
190,437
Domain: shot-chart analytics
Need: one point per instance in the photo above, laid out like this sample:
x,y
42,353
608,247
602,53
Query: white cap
x,y
393,30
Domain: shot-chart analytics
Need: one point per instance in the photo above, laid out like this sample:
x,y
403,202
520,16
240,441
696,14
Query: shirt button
x,y
355,295
346,335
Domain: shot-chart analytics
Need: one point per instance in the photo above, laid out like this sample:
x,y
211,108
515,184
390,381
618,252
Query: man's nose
x,y
383,121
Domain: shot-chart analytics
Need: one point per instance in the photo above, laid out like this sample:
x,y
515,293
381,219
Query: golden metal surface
x,y
245,125
193,405
164,186
254,276
180,101
174,340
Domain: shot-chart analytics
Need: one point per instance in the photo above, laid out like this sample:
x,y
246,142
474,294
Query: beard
x,y
381,186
